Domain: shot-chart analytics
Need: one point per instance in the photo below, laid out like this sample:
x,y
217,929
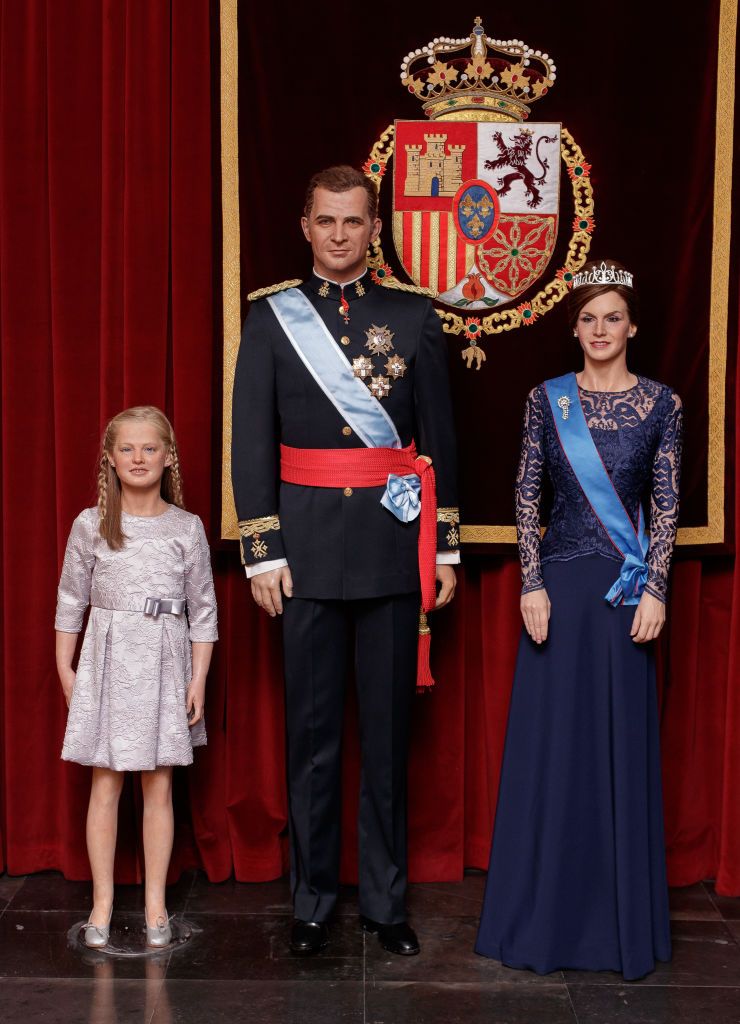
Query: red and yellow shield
x,y
475,207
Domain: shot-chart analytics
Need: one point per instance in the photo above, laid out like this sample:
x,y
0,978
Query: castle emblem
x,y
436,172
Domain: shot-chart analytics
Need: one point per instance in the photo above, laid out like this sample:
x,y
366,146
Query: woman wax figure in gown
x,y
577,875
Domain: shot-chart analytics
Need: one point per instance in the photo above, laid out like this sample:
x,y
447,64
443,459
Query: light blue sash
x,y
310,337
585,461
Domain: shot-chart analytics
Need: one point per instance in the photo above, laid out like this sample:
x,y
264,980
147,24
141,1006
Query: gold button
x,y
348,492
344,339
346,431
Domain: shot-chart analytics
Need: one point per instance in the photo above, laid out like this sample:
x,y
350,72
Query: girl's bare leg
x,y
159,827
102,826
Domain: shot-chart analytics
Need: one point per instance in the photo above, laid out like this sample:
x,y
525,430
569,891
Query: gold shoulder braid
x,y
451,516
272,289
252,528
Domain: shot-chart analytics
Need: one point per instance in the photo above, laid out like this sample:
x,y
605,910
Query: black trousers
x,y
316,637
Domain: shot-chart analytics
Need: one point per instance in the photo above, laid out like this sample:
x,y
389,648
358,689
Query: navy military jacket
x,y
339,542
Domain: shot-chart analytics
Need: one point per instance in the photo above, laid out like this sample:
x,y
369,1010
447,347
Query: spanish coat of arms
x,y
476,190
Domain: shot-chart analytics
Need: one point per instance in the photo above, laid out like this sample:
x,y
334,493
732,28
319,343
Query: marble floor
x,y
237,968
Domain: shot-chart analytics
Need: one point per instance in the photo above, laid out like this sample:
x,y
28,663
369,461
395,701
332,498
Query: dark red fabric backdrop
x,y
109,284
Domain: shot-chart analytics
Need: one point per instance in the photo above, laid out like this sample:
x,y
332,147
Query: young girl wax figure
x,y
136,701
577,874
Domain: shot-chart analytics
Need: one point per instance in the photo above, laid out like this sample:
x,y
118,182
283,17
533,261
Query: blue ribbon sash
x,y
320,354
585,461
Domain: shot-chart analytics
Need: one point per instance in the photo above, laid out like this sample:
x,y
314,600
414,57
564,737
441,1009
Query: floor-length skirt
x,y
577,873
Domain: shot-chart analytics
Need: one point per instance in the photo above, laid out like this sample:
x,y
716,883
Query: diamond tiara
x,y
603,275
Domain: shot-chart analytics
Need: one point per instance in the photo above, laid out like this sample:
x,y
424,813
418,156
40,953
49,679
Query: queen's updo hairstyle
x,y
109,486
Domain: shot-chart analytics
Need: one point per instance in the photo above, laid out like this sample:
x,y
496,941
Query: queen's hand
x,y
535,608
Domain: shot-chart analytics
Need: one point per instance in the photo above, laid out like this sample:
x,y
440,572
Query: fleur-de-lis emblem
x,y
564,404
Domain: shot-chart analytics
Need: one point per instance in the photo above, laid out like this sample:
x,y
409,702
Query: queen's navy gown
x,y
577,873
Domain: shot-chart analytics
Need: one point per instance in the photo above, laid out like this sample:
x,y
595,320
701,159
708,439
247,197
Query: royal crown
x,y
602,275
497,79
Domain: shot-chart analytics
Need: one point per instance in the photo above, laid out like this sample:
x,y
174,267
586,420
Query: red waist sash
x,y
369,467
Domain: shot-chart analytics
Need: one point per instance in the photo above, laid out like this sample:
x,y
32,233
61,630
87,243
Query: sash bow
x,y
629,585
402,496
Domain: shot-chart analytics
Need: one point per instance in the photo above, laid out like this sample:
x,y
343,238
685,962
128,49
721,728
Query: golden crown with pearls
x,y
498,79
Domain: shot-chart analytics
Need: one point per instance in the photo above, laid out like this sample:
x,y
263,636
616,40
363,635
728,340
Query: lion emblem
x,y
516,156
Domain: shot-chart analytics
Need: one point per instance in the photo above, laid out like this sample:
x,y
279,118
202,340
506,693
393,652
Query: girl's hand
x,y
195,700
67,679
648,620
535,608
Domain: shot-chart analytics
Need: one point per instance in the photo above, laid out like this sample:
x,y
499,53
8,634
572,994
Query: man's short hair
x,y
342,179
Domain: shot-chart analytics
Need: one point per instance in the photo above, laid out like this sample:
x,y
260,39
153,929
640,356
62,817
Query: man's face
x,y
340,230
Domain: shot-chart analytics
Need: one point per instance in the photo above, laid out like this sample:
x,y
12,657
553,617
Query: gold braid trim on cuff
x,y
248,527
448,515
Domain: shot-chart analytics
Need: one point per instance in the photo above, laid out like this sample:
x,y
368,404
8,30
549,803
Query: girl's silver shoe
x,y
97,936
159,934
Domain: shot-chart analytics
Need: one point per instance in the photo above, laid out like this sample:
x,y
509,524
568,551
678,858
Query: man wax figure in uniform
x,y
335,378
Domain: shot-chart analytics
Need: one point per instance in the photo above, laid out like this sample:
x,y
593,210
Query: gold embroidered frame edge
x,y
714,530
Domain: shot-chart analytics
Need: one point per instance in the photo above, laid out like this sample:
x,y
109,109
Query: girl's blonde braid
x,y
175,475
103,488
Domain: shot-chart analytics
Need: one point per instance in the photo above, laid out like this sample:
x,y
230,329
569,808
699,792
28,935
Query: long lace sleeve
x,y
664,501
73,594
529,493
199,590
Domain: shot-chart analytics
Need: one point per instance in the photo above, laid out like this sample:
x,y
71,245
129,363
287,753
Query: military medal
x,y
380,387
395,366
379,340
344,308
362,367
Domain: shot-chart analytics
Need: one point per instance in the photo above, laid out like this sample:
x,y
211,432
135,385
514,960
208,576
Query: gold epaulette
x,y
272,289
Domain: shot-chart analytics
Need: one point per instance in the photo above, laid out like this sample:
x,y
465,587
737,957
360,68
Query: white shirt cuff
x,y
255,570
448,558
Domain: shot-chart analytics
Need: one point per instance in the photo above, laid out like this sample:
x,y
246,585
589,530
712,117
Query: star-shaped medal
x,y
395,366
380,387
362,367
379,340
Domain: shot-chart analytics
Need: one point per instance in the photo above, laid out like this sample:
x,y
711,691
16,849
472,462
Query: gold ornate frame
x,y
714,530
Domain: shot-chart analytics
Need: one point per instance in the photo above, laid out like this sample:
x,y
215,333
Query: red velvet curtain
x,y
109,279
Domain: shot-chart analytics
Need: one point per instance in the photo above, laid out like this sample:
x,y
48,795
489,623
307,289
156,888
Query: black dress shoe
x,y
309,937
396,938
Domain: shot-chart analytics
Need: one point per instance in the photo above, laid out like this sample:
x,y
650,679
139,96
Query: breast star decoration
x,y
379,340
362,367
380,387
380,343
395,366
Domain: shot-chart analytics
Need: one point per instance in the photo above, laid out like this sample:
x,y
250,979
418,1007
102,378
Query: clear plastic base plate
x,y
128,937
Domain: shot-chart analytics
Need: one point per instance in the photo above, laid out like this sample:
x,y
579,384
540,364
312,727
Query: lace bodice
x,y
638,436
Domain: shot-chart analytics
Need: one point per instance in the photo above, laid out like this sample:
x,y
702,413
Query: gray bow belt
x,y
164,606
